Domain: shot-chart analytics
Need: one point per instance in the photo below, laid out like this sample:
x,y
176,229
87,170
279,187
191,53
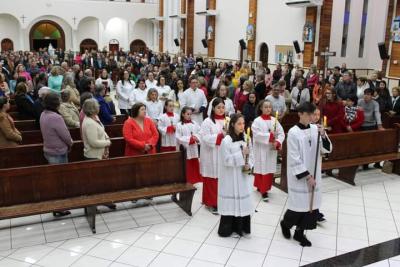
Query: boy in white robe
x,y
195,99
301,152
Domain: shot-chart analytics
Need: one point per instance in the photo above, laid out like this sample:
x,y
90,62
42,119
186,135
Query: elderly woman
x,y
56,137
105,114
69,85
9,135
95,138
55,80
68,110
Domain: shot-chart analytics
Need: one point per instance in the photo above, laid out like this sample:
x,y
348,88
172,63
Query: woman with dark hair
x,y
140,93
249,109
125,93
212,132
222,92
139,132
9,135
24,101
57,140
333,110
234,195
105,80
382,96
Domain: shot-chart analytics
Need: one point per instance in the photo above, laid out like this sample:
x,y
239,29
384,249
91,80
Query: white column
x,y
75,46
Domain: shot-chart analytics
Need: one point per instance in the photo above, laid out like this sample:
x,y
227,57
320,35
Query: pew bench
x,y
350,150
35,136
43,189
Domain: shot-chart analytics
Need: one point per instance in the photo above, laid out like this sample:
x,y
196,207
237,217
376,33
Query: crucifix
x,y
23,18
74,19
326,54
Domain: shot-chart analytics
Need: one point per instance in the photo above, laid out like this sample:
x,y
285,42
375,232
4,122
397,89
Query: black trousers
x,y
231,224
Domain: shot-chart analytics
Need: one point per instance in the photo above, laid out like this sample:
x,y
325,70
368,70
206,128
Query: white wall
x,y
116,28
143,30
230,27
88,28
278,24
9,28
375,32
199,27
63,12
171,31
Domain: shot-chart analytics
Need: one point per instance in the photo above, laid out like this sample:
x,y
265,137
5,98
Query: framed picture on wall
x,y
396,30
308,32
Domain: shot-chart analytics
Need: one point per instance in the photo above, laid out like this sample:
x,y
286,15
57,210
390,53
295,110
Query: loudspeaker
x,y
242,44
204,41
176,42
296,47
382,51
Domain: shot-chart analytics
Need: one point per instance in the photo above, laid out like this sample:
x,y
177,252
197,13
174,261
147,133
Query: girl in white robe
x,y
167,127
187,134
212,132
301,152
154,107
268,137
234,192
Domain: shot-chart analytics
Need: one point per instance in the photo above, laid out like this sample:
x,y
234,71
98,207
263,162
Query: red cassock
x,y
193,175
136,138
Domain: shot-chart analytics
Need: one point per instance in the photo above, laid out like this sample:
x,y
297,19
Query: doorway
x,y
264,54
44,33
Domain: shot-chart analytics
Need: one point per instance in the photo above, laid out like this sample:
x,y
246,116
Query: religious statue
x,y
51,50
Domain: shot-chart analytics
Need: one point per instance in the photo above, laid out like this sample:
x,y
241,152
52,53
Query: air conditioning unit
x,y
304,3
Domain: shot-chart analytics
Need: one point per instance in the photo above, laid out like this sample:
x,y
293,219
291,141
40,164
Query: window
x,y
363,27
346,21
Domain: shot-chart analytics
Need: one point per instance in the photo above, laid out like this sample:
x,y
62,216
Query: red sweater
x,y
334,113
355,124
136,138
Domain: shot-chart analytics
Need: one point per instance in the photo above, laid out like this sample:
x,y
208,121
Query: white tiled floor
x,y
159,233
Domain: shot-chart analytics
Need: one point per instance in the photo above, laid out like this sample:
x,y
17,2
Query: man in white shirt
x,y
277,101
151,82
194,98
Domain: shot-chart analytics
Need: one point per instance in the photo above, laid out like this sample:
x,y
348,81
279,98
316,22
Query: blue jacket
x,y
105,114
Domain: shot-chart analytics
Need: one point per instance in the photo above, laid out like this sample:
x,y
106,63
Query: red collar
x,y
187,121
219,117
266,117
170,114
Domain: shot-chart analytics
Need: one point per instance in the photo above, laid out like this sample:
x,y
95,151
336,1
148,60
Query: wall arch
x,y
138,46
88,44
10,29
42,33
7,45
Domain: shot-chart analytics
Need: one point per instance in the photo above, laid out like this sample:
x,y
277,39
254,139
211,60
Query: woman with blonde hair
x,y
68,110
69,85
55,80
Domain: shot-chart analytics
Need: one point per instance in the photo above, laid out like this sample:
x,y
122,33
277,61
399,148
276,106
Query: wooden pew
x,y
35,137
350,150
30,125
48,188
32,155
18,116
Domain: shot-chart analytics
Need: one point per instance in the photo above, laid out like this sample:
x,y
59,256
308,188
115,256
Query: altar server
x,y
268,137
187,134
167,127
234,192
303,160
212,132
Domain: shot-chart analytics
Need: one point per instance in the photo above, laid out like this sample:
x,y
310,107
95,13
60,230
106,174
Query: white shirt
x,y
151,84
140,95
107,82
183,134
125,94
154,109
229,107
167,139
194,99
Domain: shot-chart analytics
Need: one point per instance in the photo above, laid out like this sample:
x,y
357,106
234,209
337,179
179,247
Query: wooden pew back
x,y
52,182
32,155
35,137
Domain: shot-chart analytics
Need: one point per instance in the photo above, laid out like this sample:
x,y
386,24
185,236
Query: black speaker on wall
x,y
382,51
204,41
242,44
296,47
176,42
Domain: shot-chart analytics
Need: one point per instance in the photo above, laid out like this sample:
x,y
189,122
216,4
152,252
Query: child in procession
x,y
234,192
212,132
268,137
167,126
187,134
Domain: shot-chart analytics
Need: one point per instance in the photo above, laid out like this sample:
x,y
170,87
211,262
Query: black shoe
x,y
285,231
111,206
365,167
61,213
301,238
377,165
321,218
265,197
214,210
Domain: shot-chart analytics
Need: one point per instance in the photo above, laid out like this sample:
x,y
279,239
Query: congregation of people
x,y
226,115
